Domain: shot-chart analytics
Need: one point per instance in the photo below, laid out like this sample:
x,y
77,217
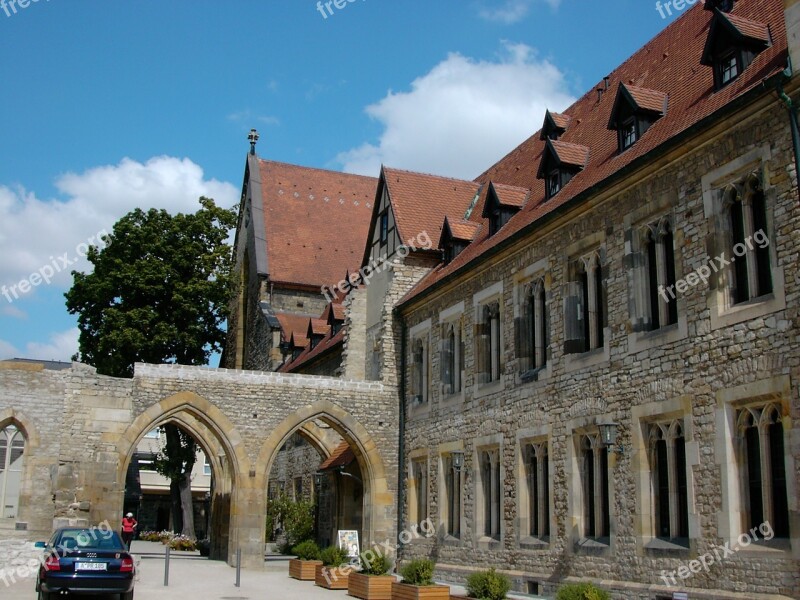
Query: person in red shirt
x,y
128,529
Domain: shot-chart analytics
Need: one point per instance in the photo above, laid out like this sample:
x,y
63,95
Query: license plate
x,y
90,566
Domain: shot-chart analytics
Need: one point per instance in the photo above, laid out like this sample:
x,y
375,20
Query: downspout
x,y
792,109
401,447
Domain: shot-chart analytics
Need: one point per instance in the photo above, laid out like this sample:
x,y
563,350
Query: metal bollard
x,y
238,567
166,568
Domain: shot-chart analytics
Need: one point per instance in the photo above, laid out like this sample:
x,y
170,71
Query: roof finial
x,y
253,137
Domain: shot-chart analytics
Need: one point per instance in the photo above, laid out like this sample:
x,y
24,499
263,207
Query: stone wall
x,y
694,369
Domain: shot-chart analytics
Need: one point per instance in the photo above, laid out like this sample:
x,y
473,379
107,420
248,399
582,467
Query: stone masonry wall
x,y
698,368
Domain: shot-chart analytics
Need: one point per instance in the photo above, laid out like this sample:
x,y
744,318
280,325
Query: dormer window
x,y
456,236
635,110
384,227
561,161
502,203
554,126
733,43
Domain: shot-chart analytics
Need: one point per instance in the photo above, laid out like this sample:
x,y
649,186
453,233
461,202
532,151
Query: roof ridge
x,y
320,169
444,177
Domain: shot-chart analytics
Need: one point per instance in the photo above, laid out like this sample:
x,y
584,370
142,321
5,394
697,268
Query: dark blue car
x,y
85,560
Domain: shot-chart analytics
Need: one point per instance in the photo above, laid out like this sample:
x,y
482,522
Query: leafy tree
x,y
175,461
294,517
159,292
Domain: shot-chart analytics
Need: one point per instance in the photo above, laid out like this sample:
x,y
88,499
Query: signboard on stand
x,y
348,541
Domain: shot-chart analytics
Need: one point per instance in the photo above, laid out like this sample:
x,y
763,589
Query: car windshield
x,y
76,539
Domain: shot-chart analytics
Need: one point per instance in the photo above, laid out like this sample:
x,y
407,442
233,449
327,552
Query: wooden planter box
x,y
304,570
405,591
336,577
370,587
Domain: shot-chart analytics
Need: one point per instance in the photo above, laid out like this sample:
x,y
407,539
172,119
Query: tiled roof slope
x,y
340,457
315,222
670,63
309,355
293,323
420,202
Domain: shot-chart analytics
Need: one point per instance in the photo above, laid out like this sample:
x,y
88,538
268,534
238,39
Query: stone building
x,y
601,375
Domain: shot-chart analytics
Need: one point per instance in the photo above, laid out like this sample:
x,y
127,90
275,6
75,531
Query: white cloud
x,y
61,346
512,11
14,312
463,115
34,232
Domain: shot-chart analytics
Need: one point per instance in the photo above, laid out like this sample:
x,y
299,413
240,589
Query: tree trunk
x,y
187,507
175,505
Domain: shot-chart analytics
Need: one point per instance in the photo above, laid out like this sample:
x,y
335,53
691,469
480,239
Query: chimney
x,y
791,12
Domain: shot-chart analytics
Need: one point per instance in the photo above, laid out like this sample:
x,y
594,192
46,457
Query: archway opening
x,y
316,470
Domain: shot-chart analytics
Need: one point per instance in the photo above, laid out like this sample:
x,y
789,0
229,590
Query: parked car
x,y
85,560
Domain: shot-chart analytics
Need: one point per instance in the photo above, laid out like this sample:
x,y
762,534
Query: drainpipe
x,y
792,108
401,447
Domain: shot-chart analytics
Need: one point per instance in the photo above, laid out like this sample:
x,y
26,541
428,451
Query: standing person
x,y
128,529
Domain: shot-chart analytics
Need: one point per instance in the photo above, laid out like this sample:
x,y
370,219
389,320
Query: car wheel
x,y
126,596
44,595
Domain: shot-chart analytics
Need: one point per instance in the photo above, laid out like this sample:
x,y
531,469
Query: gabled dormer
x,y
456,236
555,125
732,44
297,343
635,110
561,161
317,329
334,316
502,203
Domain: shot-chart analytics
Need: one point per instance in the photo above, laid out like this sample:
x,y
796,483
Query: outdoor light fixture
x,y
458,460
317,479
608,436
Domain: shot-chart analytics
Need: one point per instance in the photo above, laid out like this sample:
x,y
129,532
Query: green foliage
x,y
294,518
180,542
418,571
488,585
176,459
159,292
374,562
333,556
581,591
307,550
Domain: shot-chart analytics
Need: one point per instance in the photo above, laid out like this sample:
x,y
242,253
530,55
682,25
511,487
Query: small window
x,y
554,183
384,227
628,133
206,466
729,68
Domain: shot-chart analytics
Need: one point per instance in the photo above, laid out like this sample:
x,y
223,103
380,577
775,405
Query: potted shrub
x,y
373,582
418,582
488,585
204,546
304,566
581,591
334,571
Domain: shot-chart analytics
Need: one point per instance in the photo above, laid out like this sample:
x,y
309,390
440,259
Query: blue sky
x,y
112,105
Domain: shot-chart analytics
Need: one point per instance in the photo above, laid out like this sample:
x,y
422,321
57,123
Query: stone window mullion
x,y
538,327
766,469
541,491
672,474
661,275
749,230
591,266
599,517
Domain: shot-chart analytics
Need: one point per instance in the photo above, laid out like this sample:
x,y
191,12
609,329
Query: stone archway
x,y
376,527
220,441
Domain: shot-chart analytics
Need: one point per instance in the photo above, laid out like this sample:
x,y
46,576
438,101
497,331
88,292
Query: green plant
x,y
295,519
180,542
333,556
374,562
488,585
581,591
418,572
307,550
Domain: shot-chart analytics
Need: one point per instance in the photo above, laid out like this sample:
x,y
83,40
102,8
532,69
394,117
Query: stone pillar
x,y
249,516
354,355
792,16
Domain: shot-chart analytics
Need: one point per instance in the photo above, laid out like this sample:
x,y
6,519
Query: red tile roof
x,y
315,222
309,355
508,195
337,309
647,99
420,202
560,120
670,62
570,154
317,327
291,323
748,28
340,457
463,230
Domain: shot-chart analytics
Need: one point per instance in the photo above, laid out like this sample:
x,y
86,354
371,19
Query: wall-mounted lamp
x,y
318,480
458,460
344,473
608,436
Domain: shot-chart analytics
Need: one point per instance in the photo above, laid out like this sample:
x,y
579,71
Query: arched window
x,y
12,449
